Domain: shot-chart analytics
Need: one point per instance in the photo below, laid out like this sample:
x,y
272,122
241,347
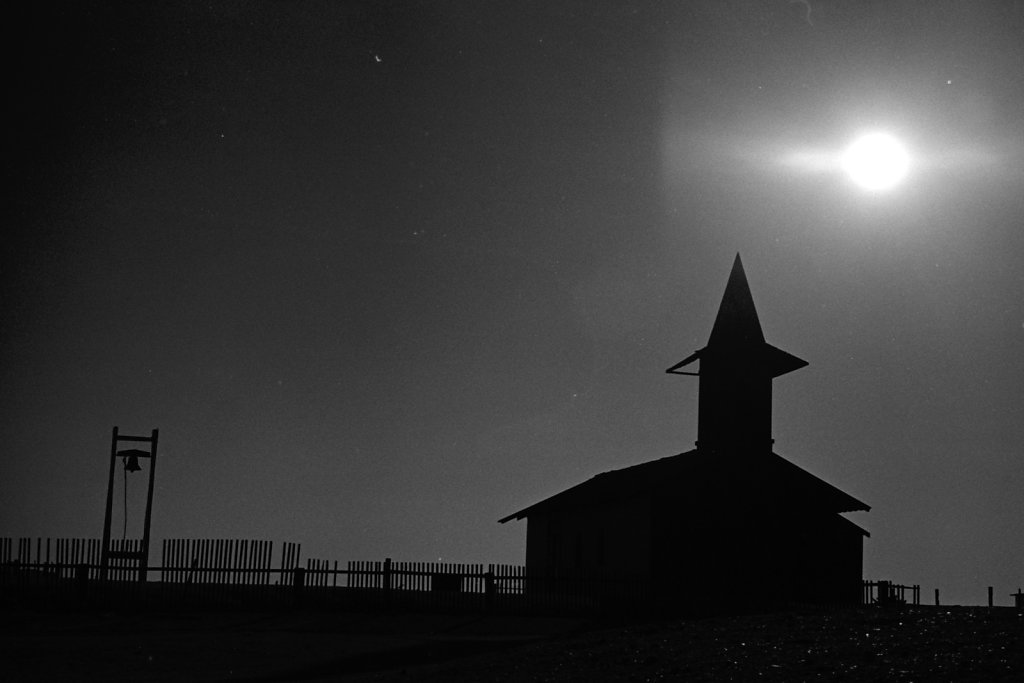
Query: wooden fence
x,y
230,572
224,561
61,555
889,593
475,587
243,573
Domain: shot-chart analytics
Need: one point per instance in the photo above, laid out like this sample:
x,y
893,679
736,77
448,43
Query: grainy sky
x,y
382,273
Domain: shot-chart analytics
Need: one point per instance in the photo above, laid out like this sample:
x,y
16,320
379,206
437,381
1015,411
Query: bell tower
x,y
736,370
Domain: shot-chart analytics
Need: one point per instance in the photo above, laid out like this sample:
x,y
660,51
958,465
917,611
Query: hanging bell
x,y
131,460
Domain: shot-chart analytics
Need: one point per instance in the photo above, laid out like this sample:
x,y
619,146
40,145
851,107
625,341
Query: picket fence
x,y
242,573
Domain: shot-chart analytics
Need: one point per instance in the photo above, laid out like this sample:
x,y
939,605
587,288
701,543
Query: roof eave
x,y
515,515
675,369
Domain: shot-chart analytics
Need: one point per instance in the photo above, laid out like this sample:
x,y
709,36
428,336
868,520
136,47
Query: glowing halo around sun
x,y
876,162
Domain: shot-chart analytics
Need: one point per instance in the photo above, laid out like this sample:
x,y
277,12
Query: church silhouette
x,y
728,524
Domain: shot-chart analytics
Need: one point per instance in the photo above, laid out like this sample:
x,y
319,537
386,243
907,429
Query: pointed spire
x,y
737,323
736,371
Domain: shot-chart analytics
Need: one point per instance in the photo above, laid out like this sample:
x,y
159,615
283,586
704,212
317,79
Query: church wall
x,y
708,556
704,557
612,539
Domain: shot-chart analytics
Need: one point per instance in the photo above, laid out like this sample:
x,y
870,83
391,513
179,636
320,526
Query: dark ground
x,y
869,644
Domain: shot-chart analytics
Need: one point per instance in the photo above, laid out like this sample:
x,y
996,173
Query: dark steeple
x,y
737,323
736,371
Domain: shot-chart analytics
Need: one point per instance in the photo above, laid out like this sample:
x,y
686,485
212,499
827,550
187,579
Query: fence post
x,y
489,588
990,596
936,597
81,583
298,581
387,581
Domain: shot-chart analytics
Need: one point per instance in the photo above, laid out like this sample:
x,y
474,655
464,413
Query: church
x,y
729,523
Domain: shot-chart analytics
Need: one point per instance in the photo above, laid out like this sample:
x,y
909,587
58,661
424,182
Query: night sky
x,y
383,273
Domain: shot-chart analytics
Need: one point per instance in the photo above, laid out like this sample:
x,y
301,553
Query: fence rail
x,y
232,572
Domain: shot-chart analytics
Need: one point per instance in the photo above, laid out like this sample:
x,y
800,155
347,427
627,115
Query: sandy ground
x,y
276,646
871,644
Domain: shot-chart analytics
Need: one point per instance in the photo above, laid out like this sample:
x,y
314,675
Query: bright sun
x,y
876,161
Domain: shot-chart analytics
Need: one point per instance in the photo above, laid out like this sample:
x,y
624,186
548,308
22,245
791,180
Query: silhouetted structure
x,y
728,523
130,459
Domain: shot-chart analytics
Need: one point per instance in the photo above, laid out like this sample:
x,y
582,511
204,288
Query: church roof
x,y
706,477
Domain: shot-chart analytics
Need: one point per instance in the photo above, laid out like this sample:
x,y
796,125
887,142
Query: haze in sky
x,y
382,274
